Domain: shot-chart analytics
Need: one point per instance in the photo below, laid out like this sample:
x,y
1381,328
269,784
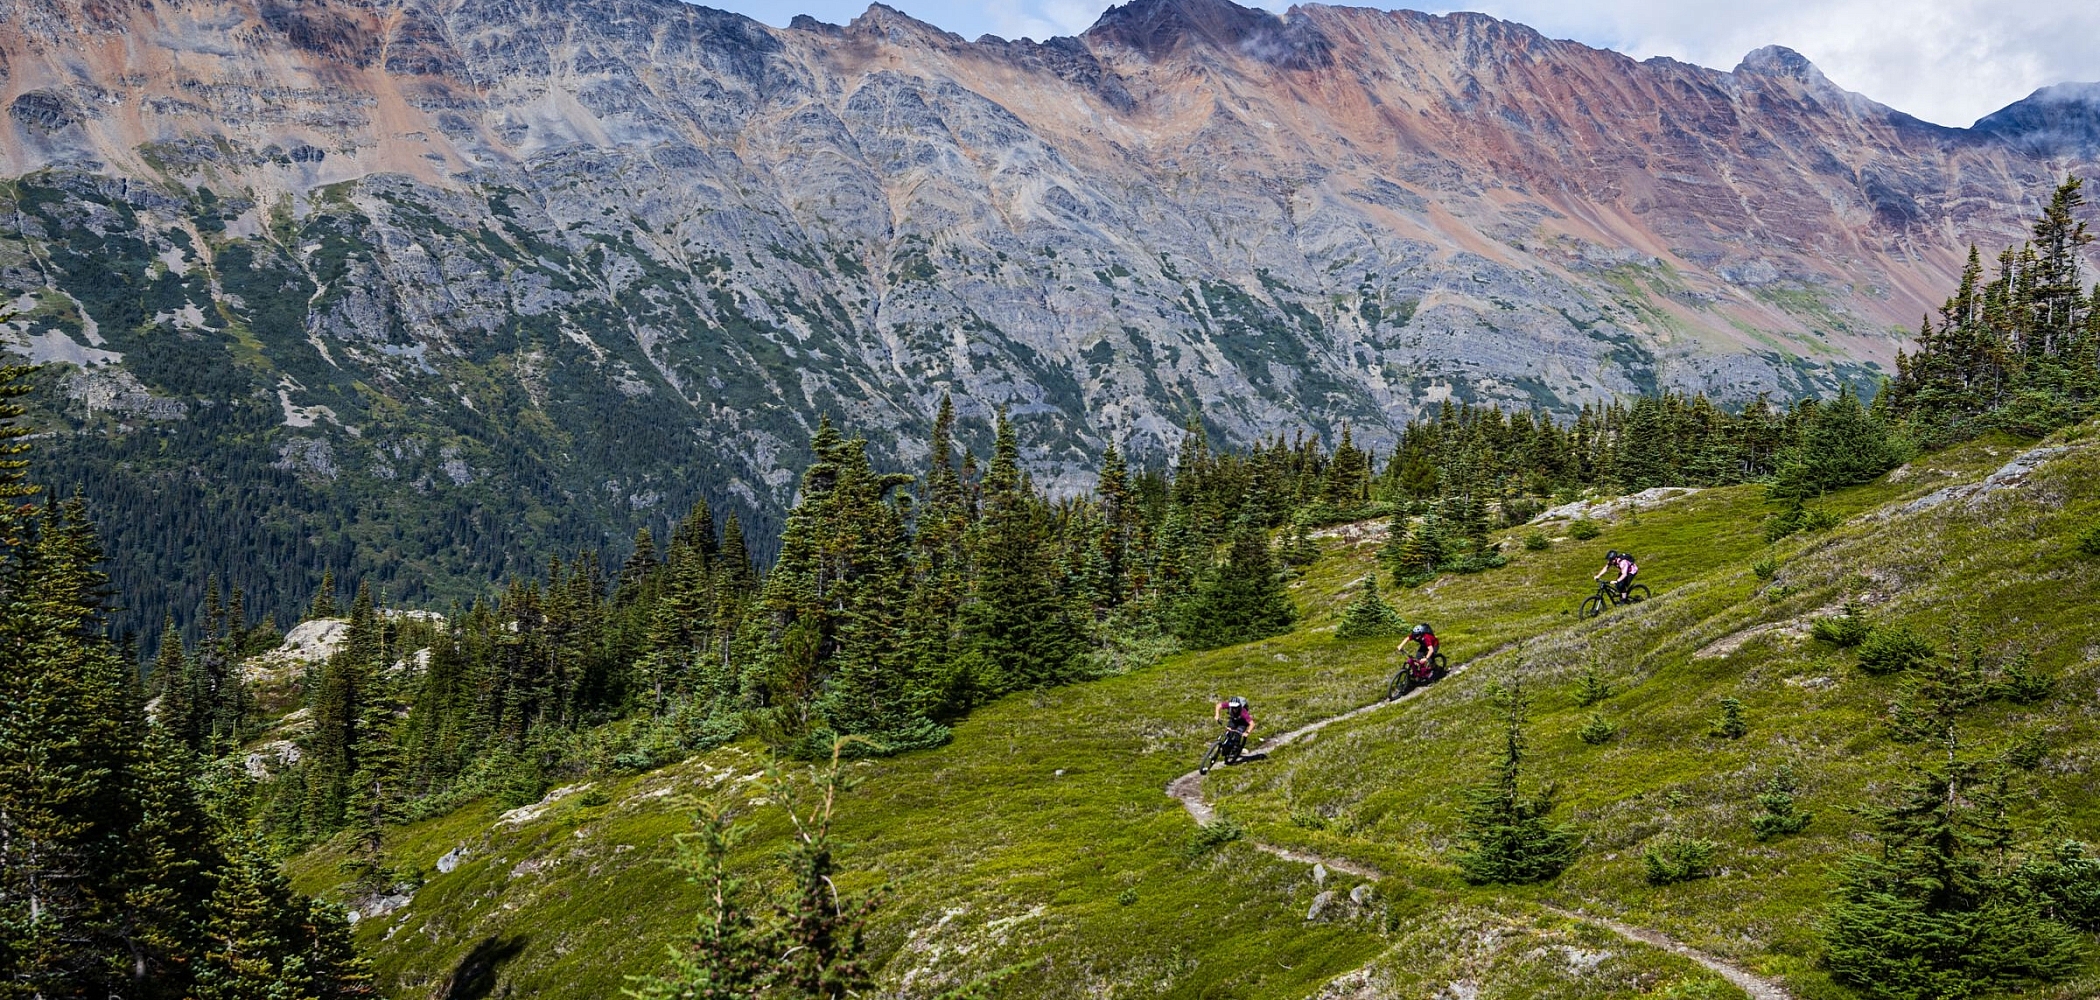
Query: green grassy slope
x,y
993,857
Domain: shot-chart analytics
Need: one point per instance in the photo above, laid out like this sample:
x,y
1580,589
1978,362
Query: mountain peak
x,y
897,26
1783,62
2058,120
1160,27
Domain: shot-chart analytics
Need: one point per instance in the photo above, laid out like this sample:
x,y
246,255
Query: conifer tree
x,y
1941,911
1511,840
1842,444
173,859
1017,630
1369,615
1240,600
339,708
323,605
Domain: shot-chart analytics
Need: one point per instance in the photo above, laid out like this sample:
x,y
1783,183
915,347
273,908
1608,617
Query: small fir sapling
x,y
1780,818
1598,731
1677,858
1729,725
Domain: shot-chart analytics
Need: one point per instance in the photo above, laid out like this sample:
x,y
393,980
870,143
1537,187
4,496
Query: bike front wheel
x,y
1592,607
1398,688
1210,757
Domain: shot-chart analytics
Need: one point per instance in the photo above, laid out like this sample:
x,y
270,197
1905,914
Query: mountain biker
x,y
1626,567
1425,642
1236,715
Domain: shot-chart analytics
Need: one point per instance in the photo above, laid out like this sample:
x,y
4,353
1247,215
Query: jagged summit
x,y
1780,61
1157,28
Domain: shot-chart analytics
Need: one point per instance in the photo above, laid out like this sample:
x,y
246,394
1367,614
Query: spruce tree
x,y
339,709
1510,838
1369,615
1017,630
323,605
1941,910
727,955
173,861
1240,600
1841,445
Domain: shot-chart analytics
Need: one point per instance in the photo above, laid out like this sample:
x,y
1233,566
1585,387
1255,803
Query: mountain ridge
x,y
435,251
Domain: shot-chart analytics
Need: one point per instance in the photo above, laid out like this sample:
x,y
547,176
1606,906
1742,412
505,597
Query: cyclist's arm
x,y
1600,573
1624,572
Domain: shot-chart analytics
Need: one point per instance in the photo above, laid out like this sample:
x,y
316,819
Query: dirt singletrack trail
x,y
1188,790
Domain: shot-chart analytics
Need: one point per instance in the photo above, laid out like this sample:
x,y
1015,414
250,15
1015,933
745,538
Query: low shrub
x,y
1844,631
2021,685
2089,543
1584,529
1306,819
1780,818
1678,858
1765,569
1217,833
1729,725
1892,650
2028,753
1818,519
1537,542
1597,731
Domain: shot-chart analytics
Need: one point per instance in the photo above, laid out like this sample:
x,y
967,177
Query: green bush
x,y
1678,858
1780,818
1729,725
2089,543
1306,819
1537,542
2021,685
1844,631
1592,688
1819,519
1127,897
1597,731
1765,569
1888,651
1370,616
1217,833
1584,529
2028,753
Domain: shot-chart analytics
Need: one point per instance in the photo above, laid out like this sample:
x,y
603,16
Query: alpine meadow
x,y
619,499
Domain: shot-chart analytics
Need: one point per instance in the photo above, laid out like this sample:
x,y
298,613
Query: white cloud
x,y
1948,61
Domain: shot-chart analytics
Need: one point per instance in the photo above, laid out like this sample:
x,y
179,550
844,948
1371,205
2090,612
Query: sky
x,y
1946,61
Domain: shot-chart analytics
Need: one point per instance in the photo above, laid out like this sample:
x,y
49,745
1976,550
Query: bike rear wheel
x,y
1438,667
1592,606
1637,592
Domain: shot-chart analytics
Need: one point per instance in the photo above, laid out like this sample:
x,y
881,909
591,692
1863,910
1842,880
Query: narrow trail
x,y
1188,790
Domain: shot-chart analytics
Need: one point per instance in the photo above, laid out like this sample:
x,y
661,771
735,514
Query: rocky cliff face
x,y
597,252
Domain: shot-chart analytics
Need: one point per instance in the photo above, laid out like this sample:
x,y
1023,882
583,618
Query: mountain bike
x,y
1226,748
1607,596
1415,673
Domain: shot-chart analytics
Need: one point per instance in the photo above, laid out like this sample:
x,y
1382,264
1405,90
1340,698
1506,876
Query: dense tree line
x,y
121,872
2019,350
899,601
